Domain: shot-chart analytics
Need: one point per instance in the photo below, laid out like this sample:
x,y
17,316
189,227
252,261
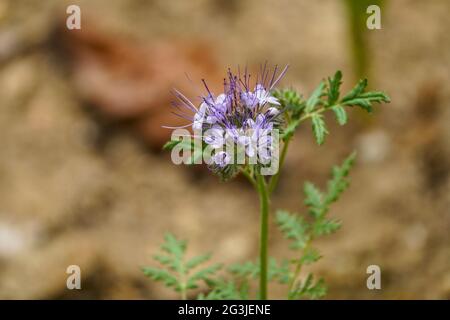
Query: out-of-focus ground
x,y
76,189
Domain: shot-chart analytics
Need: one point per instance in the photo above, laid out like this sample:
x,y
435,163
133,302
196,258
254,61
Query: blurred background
x,y
83,180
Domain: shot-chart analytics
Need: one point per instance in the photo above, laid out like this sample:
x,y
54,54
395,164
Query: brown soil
x,y
64,199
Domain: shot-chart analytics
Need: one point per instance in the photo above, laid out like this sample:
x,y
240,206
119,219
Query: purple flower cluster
x,y
243,115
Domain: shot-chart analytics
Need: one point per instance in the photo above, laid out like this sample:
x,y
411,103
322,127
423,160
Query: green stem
x,y
264,191
293,281
264,235
249,177
274,180
183,294
310,114
183,284
298,269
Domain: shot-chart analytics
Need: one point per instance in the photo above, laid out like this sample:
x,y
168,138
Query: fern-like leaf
x,y
294,228
319,128
177,273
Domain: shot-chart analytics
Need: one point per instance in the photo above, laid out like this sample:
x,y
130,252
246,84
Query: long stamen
x,y
279,77
185,100
241,108
273,75
184,116
179,127
207,89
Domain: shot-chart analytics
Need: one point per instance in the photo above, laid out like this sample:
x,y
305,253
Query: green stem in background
x,y
264,235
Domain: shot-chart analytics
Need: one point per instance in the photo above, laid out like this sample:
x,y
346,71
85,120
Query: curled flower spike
x,y
237,123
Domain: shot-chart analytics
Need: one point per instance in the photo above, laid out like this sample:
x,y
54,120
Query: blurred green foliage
x,y
357,17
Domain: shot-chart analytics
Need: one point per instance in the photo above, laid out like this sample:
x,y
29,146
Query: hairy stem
x,y
264,235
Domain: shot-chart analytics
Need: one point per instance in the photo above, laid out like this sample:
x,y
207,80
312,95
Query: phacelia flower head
x,y
236,125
